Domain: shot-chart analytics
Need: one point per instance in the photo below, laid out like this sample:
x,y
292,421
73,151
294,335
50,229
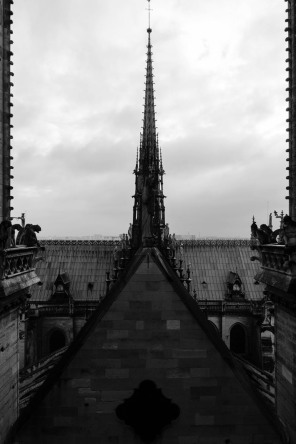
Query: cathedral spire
x,y
149,211
149,157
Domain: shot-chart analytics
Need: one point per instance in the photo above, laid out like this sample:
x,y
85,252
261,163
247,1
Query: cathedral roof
x,y
148,329
86,263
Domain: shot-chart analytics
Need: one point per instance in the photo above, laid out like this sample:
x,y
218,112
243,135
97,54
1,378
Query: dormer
x,y
62,287
234,286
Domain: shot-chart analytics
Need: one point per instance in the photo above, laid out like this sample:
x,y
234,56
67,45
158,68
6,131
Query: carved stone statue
x,y
289,231
5,234
264,234
268,232
122,241
29,237
130,233
174,242
166,231
181,251
116,253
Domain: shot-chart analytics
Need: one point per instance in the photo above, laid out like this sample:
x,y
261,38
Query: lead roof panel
x,y
88,261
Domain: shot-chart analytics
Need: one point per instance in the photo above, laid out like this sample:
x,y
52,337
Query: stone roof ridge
x,y
231,242
72,242
223,242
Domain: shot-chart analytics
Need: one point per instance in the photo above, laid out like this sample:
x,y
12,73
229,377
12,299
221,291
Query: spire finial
x,y
149,10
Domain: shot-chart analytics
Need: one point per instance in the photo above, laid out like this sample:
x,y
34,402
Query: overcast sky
x,y
219,69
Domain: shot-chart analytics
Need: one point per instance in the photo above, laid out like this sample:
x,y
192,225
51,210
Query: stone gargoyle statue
x,y
289,231
5,234
264,234
28,236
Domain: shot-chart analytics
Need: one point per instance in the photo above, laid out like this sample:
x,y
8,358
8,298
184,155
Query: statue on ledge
x,y
264,234
28,236
5,234
289,231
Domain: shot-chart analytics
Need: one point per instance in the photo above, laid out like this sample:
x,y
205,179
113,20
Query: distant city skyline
x,y
78,101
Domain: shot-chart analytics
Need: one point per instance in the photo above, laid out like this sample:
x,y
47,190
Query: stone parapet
x,y
278,264
17,270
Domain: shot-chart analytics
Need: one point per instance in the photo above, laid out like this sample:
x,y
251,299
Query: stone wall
x,y
148,333
8,371
224,323
285,323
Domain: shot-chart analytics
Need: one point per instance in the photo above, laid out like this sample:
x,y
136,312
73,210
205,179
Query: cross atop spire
x,y
149,10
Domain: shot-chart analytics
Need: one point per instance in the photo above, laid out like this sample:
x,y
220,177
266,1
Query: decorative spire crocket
x,y
149,211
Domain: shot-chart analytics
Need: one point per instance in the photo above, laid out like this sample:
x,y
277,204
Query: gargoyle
x,y
5,233
29,237
264,234
289,231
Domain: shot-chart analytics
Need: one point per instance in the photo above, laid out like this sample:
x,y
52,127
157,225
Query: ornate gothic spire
x,y
149,147
149,211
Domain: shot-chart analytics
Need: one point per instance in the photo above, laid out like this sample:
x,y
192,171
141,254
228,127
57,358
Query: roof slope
x,y
87,262
212,260
147,328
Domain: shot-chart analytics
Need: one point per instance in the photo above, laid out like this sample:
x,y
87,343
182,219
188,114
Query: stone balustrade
x,y
17,269
278,263
231,307
17,260
275,257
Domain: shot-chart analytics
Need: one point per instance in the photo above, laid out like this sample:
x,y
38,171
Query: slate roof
x,y
87,262
212,260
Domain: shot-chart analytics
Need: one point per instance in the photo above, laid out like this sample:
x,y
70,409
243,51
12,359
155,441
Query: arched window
x,y
215,327
238,340
57,340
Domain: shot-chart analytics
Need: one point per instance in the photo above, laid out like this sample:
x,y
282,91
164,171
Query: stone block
x,y
116,395
133,363
197,392
173,324
88,392
200,372
117,334
187,440
140,305
140,325
143,315
79,383
204,420
161,363
177,373
106,363
106,407
67,411
117,373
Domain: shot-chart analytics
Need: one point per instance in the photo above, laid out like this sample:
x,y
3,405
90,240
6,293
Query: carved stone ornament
x,y
147,411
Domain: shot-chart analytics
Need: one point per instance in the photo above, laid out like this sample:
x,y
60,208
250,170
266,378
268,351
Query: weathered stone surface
x,y
8,371
215,402
285,321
